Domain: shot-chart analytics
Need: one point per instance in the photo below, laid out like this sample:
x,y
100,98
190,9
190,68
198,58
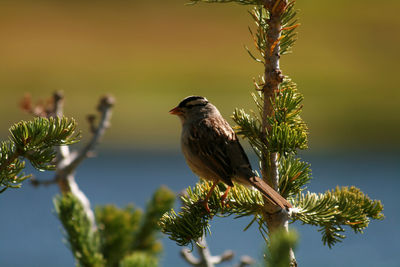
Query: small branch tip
x,y
105,103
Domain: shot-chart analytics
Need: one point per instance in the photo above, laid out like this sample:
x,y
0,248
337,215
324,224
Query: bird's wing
x,y
212,144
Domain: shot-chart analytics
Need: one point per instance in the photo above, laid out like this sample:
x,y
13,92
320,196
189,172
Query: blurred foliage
x,y
139,259
117,228
33,140
84,47
279,247
83,241
125,237
146,238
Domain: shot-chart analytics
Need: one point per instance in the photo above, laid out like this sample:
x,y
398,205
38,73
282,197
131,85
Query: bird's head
x,y
193,107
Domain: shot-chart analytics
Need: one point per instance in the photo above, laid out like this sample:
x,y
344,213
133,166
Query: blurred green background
x,y
151,54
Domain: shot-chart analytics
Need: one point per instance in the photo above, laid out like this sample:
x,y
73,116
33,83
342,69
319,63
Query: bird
x,y
213,152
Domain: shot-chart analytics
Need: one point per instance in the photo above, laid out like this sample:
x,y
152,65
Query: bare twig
x,y
104,108
206,259
245,261
67,161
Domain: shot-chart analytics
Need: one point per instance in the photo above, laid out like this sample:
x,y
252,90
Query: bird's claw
x,y
204,203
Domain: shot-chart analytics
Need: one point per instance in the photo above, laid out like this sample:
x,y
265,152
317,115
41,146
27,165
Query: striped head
x,y
193,107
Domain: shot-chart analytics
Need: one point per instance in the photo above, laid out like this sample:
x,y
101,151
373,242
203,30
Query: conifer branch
x,y
278,130
35,141
278,138
67,161
192,222
335,209
205,258
294,175
330,211
129,235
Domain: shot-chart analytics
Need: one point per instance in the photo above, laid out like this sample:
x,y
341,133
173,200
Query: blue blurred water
x,y
31,234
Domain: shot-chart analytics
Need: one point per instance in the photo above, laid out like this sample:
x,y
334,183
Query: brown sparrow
x,y
213,152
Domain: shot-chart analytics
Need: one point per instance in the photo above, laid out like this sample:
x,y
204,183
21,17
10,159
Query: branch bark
x,y
206,259
273,77
67,161
274,216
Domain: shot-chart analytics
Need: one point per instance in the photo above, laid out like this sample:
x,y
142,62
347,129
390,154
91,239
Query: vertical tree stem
x,y
273,78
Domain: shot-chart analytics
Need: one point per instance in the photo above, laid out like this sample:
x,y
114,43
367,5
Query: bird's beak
x,y
175,111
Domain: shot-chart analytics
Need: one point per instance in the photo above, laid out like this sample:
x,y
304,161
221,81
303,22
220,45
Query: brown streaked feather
x,y
273,196
214,154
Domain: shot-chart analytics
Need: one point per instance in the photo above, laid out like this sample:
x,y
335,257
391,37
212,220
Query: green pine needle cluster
x,y
289,25
335,209
125,237
260,36
294,174
192,222
288,131
34,141
288,34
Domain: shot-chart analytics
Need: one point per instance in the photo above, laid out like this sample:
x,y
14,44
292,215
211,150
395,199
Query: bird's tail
x,y
269,193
